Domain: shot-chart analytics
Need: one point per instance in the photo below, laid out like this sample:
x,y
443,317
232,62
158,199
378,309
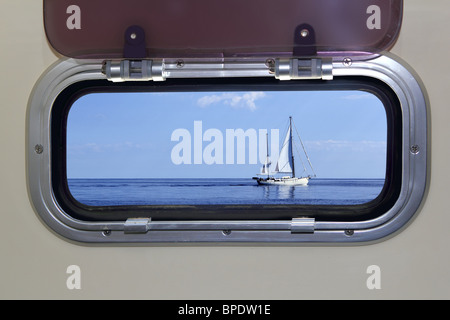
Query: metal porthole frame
x,y
386,68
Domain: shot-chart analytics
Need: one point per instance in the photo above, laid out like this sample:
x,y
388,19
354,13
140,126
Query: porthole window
x,y
211,154
128,148
321,144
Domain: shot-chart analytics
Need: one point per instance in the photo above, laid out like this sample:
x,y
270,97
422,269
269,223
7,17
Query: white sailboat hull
x,y
283,181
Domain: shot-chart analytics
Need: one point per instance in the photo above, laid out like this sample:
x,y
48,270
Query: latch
x,y
302,225
136,225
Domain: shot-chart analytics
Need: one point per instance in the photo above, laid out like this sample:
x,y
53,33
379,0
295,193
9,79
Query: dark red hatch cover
x,y
212,28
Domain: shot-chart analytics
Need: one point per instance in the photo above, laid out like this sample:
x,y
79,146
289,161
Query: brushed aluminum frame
x,y
386,67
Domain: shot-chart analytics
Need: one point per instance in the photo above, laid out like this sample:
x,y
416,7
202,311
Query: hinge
x,y
133,70
298,69
160,69
302,225
136,225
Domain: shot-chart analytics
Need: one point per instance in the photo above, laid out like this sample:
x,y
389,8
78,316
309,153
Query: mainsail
x,y
285,163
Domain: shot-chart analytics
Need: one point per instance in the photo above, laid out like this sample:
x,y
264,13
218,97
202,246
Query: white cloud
x,y
235,100
334,145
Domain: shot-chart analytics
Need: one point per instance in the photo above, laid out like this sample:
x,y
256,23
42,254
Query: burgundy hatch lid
x,y
212,28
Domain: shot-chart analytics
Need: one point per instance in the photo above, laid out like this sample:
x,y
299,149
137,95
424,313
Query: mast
x,y
290,142
267,158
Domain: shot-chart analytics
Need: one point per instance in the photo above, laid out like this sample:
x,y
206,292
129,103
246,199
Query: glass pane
x,y
219,148
97,29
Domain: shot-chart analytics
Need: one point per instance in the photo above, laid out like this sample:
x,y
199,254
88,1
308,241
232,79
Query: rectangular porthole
x,y
175,152
131,149
124,162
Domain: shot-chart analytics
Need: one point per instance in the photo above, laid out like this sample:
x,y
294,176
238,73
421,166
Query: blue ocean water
x,y
112,192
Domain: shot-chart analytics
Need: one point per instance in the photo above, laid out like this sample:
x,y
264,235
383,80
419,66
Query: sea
x,y
221,191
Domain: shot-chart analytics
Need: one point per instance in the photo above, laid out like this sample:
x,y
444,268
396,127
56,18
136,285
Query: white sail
x,y
284,163
265,170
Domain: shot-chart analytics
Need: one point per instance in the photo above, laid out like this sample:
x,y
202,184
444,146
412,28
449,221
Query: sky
x,y
184,135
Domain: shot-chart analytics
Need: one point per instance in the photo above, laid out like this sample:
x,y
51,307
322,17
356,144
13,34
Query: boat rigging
x,y
285,164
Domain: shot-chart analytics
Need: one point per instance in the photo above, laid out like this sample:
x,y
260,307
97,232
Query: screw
x,y
349,232
414,149
180,64
226,232
270,63
38,148
304,33
107,233
347,62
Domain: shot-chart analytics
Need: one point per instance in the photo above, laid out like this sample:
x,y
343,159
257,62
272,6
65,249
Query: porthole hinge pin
x,y
302,225
304,69
133,70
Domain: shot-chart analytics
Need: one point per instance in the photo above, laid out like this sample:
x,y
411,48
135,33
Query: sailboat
x,y
285,165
